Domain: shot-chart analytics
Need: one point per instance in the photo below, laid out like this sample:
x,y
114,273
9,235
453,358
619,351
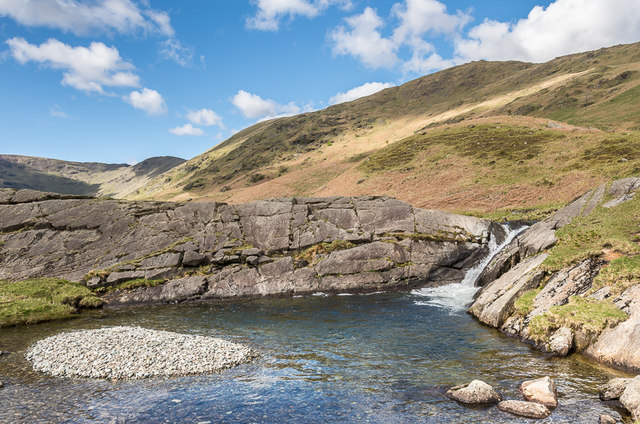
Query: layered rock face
x,y
214,250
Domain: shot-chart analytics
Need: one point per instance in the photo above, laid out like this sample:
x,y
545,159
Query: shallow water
x,y
382,358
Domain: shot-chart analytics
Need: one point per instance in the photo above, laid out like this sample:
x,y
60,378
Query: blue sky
x,y
122,80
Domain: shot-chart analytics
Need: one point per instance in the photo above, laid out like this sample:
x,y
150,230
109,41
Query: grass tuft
x,y
43,299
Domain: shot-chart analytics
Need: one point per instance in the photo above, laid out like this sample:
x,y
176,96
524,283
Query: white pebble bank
x,y
133,353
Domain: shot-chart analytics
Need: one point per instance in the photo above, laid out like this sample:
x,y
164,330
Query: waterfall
x,y
456,297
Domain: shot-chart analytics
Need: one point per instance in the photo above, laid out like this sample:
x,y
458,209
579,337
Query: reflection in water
x,y
377,358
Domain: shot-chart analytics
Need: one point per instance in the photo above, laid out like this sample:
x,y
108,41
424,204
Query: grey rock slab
x,y
570,281
165,260
524,409
541,390
193,258
495,301
476,392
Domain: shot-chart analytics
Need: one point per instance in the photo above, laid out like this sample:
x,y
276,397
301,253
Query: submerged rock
x,y
613,389
524,409
541,390
476,392
606,419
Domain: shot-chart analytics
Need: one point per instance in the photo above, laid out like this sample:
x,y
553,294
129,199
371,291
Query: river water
x,y
380,358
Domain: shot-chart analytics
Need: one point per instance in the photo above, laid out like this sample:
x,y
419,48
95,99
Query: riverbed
x,y
379,358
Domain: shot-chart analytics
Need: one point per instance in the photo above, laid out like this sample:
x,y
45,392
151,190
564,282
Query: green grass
x,y
620,274
616,229
524,304
580,313
485,143
43,299
137,283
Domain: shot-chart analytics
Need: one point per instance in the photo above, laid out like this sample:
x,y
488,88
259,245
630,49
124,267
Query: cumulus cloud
x,y
84,68
363,40
186,129
363,90
147,100
204,117
254,106
83,18
270,12
565,26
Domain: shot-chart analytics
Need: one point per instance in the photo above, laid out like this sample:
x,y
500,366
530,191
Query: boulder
x,y
1,384
613,389
524,409
606,419
560,342
495,303
476,392
630,398
541,390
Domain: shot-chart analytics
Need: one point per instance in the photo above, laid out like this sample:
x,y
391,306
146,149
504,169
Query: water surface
x,y
382,358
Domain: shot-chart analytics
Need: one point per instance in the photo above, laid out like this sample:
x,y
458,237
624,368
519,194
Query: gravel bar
x,y
122,353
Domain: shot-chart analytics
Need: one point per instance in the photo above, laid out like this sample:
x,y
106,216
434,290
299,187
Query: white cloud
x,y
363,90
84,68
565,26
84,18
419,17
172,49
270,12
364,41
254,106
186,129
148,100
204,117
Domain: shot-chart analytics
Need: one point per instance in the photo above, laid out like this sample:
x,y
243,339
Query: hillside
x,y
442,141
80,178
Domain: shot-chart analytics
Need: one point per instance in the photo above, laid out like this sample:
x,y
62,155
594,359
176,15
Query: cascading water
x,y
457,296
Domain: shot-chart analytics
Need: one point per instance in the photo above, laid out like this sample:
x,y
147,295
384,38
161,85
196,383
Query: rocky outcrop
x,y
215,250
620,346
540,236
524,409
630,398
476,392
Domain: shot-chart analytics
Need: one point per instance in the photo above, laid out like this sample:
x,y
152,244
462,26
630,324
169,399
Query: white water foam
x,y
456,297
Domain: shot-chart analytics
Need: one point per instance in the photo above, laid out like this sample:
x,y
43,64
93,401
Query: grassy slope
x,y
324,153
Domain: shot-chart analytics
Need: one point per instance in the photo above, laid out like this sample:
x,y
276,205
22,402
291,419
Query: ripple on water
x,y
377,358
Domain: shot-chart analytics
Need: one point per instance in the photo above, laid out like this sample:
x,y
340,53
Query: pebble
x,y
128,353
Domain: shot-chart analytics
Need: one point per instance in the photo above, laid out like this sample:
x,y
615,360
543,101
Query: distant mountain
x,y
477,137
82,178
